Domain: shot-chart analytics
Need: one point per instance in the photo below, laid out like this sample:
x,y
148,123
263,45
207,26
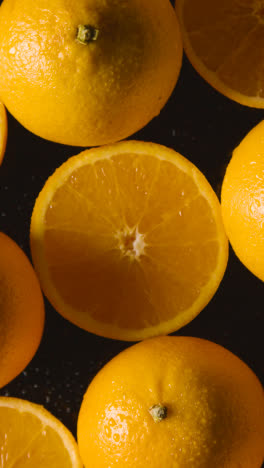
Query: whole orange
x,y
21,310
173,402
89,72
242,201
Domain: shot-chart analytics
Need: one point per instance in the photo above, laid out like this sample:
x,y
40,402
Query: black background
x,y
205,127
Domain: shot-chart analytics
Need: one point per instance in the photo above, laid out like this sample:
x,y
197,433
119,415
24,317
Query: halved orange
x,y
224,41
32,437
3,131
128,240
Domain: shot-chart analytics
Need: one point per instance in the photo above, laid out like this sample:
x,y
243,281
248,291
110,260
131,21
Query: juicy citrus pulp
x,y
225,43
214,404
90,72
128,240
21,310
242,200
3,131
32,437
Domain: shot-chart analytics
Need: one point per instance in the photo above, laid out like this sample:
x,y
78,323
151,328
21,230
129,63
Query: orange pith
x,y
224,41
3,131
128,240
31,437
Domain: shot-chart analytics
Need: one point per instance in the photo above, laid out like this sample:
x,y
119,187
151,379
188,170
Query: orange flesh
x,y
32,437
121,237
224,41
27,448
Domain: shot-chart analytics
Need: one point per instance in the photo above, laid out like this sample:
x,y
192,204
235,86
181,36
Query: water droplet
x,y
116,437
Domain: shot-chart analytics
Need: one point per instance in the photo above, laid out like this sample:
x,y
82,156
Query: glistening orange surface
x,y
128,241
210,407
90,72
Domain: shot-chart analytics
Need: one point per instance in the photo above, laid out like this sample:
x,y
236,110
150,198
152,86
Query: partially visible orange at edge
x,y
3,131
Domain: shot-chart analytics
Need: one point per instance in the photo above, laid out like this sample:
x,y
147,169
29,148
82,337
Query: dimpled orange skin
x,y
215,409
21,310
242,201
94,93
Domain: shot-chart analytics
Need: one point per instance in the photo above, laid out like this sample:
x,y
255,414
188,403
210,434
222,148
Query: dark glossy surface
x,y
205,127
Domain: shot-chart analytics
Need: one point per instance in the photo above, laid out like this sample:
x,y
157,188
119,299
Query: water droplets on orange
x,y
32,437
213,408
87,92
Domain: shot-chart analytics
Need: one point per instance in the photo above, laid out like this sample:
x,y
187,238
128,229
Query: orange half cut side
x,y
224,41
32,437
128,240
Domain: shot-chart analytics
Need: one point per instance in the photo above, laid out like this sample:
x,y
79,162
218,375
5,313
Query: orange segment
x,y
32,437
128,240
224,41
3,131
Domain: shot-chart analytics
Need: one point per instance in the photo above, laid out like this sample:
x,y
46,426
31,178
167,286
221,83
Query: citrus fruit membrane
x,y
128,240
173,402
32,437
223,40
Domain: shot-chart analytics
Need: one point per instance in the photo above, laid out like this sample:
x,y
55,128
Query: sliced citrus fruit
x,y
30,437
3,131
128,240
224,41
